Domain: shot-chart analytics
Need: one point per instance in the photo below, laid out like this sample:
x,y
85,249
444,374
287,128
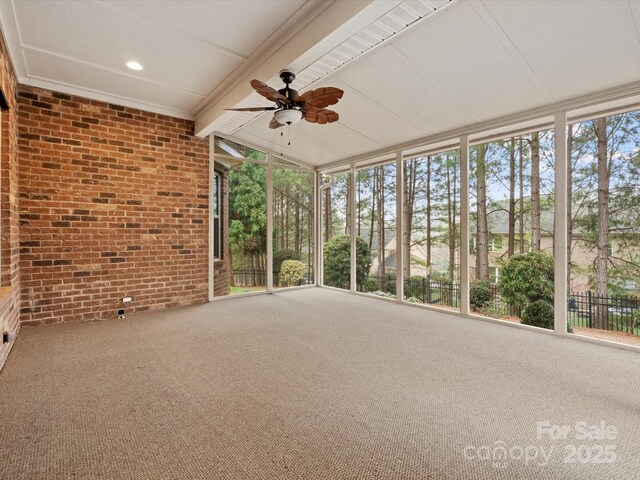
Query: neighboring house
x,y
582,254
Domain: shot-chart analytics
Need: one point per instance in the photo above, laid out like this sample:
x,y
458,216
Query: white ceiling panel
x,y
239,26
574,47
366,116
302,147
120,86
416,100
461,54
95,41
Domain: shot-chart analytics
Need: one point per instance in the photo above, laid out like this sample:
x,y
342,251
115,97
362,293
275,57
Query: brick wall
x,y
113,202
9,242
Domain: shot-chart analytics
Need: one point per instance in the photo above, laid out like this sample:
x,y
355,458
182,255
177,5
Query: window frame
x,y
217,215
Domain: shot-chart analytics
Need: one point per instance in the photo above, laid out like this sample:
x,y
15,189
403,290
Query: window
x,y
495,244
217,225
494,274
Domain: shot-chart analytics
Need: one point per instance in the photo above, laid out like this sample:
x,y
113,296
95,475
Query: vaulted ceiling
x,y
409,69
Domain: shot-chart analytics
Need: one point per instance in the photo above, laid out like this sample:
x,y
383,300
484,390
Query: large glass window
x,y
292,225
431,211
376,229
511,228
335,230
248,224
604,228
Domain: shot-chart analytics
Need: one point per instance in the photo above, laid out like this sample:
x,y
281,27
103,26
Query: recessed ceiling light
x,y
134,65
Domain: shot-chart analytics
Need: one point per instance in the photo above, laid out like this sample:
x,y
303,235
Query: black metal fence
x,y
421,289
621,314
615,313
249,278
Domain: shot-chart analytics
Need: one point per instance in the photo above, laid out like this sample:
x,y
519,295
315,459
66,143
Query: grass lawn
x,y
241,290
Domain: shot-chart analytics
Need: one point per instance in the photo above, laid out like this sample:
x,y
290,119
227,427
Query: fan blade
x,y
269,93
274,123
321,97
321,116
251,109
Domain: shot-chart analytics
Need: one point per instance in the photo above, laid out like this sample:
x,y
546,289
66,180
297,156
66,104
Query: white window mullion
x,y
464,225
560,231
269,223
351,195
400,226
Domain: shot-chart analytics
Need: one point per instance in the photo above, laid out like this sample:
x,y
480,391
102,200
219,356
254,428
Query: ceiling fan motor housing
x,y
290,94
287,76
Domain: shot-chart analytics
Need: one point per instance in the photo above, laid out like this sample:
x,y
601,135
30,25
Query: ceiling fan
x,y
290,107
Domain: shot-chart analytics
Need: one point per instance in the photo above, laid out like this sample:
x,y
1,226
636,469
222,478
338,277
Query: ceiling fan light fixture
x,y
288,116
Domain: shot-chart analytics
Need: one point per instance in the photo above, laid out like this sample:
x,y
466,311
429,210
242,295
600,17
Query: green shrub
x,y
539,314
291,272
388,283
280,256
415,287
370,285
337,261
527,278
479,294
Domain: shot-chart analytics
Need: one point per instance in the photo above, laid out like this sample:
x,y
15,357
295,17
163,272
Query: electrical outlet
x,y
127,299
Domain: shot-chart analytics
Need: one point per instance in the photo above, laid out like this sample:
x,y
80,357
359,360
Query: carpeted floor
x,y
312,384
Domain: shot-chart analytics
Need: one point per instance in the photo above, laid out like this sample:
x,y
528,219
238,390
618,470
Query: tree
x,y
410,183
521,196
604,178
535,191
511,244
327,217
248,216
482,229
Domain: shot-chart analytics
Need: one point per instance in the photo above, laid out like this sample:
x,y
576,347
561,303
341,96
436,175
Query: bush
x,y
479,294
415,287
370,285
539,314
337,261
280,256
291,272
388,283
527,278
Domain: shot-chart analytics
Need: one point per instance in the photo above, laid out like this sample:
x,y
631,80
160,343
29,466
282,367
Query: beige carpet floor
x,y
312,384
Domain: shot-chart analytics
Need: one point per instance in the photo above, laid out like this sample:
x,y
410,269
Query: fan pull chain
x,y
289,143
281,138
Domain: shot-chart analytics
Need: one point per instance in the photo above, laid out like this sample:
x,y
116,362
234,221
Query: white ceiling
x,y
410,69
187,48
465,64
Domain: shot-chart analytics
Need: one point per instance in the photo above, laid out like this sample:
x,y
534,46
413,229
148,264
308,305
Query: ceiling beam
x,y
304,31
